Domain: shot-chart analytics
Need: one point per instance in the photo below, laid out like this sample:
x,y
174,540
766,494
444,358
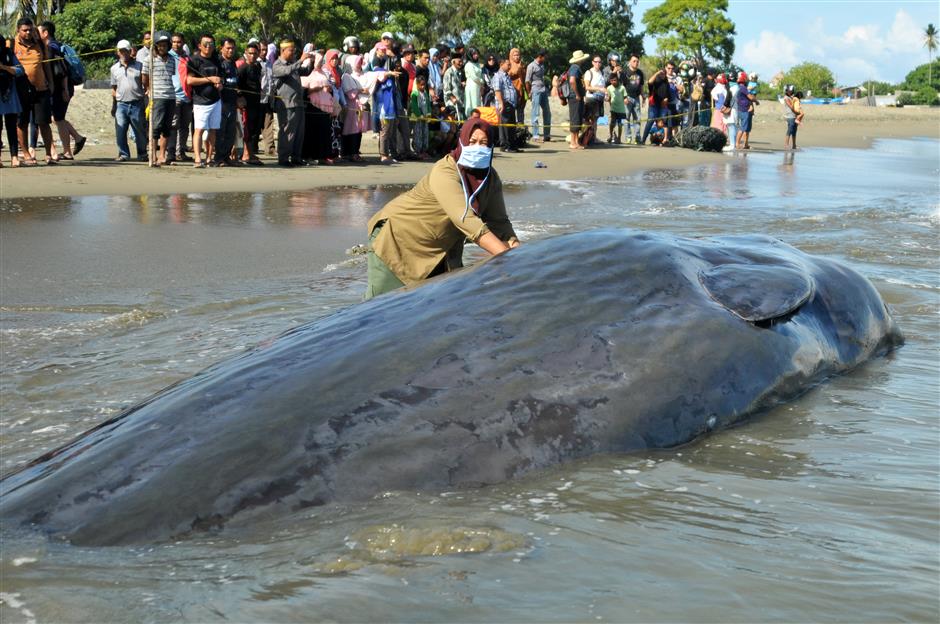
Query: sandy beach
x,y
94,172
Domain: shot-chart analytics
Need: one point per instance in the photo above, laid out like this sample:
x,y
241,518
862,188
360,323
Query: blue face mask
x,y
475,156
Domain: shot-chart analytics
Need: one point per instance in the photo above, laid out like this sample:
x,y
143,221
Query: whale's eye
x,y
759,293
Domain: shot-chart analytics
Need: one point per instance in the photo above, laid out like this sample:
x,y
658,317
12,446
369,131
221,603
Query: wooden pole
x,y
152,151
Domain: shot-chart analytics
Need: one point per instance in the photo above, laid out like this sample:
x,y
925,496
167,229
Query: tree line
x,y
697,30
557,26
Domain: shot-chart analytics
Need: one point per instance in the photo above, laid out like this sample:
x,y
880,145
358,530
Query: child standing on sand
x,y
420,110
617,96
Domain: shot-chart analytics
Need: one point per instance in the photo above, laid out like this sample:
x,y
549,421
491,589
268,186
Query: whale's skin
x,y
600,341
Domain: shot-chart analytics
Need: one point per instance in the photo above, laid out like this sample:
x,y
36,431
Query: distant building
x,y
855,92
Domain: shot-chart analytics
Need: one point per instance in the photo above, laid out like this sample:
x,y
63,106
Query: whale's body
x,y
602,341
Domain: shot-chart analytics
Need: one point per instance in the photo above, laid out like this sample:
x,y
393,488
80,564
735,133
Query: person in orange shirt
x,y
36,99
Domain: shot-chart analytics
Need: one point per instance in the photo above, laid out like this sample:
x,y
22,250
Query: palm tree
x,y
930,42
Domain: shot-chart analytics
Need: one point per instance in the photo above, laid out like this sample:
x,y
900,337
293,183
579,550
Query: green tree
x,y
876,87
930,42
451,19
192,18
696,29
601,26
95,25
528,25
811,77
605,26
923,75
926,95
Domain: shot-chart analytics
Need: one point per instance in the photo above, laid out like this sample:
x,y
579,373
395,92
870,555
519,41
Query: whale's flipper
x,y
758,293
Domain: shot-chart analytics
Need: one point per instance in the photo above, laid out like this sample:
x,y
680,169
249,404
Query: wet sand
x,y
94,172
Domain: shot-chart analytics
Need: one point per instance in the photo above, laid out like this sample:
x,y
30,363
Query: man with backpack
x,y
65,77
35,98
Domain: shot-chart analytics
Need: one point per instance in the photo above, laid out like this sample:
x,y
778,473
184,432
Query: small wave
x,y
132,318
351,262
14,602
917,285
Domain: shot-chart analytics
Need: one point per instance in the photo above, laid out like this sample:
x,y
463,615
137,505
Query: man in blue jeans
x,y
127,89
540,95
659,101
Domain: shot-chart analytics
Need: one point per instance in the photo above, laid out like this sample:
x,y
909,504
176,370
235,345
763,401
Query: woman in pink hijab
x,y
356,119
318,134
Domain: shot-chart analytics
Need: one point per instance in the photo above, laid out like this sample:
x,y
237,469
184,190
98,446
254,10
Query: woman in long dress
x,y
719,95
356,119
318,131
473,91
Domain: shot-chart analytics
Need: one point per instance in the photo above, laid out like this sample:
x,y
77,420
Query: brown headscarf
x,y
517,75
474,178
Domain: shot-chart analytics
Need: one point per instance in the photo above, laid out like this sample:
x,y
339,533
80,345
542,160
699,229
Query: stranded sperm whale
x,y
600,341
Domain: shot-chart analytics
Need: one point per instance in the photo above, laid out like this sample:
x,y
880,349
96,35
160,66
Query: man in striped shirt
x,y
159,86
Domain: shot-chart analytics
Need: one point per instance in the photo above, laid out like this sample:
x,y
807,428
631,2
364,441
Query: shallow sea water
x,y
823,509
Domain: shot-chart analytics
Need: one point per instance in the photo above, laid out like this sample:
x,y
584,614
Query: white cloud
x,y
861,35
905,34
854,70
770,53
860,52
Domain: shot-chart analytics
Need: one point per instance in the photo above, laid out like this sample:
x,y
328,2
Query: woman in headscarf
x,y
333,73
490,68
473,92
436,79
517,76
10,70
356,119
420,233
719,96
318,133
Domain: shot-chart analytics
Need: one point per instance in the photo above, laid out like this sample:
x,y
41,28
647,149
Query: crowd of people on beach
x,y
221,104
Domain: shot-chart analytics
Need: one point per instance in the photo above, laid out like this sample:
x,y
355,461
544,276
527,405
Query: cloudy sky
x,y
857,39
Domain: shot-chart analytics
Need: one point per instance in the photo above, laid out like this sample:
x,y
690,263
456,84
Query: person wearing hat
x,y
743,101
421,233
717,99
454,87
127,89
576,103
351,46
539,95
289,103
159,86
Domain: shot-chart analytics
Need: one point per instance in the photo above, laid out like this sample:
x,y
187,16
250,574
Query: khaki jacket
x,y
422,225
